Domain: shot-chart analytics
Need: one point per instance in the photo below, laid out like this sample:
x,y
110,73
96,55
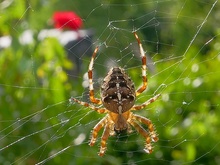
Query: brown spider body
x,y
118,96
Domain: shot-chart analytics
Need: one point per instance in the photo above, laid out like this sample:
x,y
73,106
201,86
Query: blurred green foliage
x,y
37,120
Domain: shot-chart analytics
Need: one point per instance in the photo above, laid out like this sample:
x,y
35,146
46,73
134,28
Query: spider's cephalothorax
x,y
118,98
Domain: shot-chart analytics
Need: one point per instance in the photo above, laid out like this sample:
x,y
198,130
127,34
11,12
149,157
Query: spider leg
x,y
148,148
96,129
85,104
151,100
104,138
144,67
90,76
147,122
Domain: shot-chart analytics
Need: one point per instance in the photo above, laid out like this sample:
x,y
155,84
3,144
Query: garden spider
x,y
118,97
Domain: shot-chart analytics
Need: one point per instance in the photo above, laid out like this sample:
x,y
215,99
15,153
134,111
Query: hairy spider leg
x,y
90,76
96,130
148,148
144,67
149,124
141,106
104,138
85,104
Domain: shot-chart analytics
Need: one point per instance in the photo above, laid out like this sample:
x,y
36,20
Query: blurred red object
x,y
67,19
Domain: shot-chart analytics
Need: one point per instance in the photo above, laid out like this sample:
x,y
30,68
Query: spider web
x,y
39,124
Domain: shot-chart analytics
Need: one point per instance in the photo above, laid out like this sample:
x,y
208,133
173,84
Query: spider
x,y
118,98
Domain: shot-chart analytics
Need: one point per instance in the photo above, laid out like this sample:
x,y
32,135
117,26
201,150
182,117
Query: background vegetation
x,y
37,120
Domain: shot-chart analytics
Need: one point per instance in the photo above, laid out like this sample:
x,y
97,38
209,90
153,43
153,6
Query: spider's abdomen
x,y
117,91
